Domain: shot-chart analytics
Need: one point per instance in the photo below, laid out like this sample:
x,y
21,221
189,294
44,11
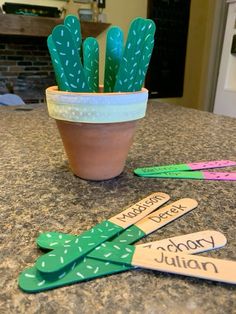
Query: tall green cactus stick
x,y
146,56
114,51
70,59
72,22
91,62
139,32
61,79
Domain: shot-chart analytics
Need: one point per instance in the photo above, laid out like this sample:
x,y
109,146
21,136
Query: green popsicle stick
x,y
72,22
52,240
63,257
139,32
114,51
178,175
144,171
129,62
32,280
69,59
91,62
61,79
146,56
114,252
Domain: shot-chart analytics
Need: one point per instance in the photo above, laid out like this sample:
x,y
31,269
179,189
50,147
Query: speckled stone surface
x,y
39,193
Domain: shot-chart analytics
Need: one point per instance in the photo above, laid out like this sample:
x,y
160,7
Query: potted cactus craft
x,y
97,123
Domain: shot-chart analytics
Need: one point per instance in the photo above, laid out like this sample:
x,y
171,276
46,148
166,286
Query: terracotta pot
x,y
97,129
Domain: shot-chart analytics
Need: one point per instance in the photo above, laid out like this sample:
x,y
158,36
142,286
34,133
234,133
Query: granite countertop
x,y
39,193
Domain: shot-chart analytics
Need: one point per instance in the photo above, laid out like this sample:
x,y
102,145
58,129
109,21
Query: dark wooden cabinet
x,y
165,76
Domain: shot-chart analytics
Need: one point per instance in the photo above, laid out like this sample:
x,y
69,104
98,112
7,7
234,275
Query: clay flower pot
x,y
97,129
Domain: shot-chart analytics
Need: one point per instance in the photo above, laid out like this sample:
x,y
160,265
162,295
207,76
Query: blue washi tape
x,y
96,107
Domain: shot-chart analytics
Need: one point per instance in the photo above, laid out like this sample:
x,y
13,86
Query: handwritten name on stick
x,y
191,243
63,256
188,265
166,214
177,263
139,210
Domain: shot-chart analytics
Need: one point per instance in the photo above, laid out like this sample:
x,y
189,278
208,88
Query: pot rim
x,y
102,94
96,107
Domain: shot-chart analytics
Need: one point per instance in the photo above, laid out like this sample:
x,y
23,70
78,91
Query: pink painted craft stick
x,y
211,164
226,176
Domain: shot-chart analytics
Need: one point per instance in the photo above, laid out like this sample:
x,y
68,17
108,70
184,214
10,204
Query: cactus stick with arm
x,y
69,58
61,79
139,32
72,22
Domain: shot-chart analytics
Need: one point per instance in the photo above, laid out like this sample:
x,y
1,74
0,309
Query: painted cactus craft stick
x,y
191,243
32,280
184,167
158,219
198,175
69,59
176,263
63,257
144,61
91,63
140,229
125,71
72,22
137,41
61,79
114,51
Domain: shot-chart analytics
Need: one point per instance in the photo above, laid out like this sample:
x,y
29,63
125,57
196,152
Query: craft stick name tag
x,y
139,210
62,257
166,214
184,167
188,265
177,263
189,243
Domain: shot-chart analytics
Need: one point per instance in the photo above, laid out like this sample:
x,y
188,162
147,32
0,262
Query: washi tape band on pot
x,y
96,107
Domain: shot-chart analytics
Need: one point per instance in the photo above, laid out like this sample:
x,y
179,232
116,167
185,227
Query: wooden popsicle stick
x,y
138,211
30,280
198,175
187,265
51,240
191,243
183,167
166,214
61,257
177,263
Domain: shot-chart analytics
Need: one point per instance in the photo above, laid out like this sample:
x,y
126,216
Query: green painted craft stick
x,y
144,171
32,280
61,79
91,63
90,268
62,258
198,175
114,51
69,59
144,62
129,63
176,263
72,22
138,38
